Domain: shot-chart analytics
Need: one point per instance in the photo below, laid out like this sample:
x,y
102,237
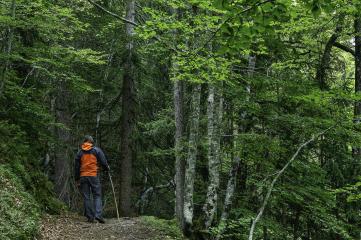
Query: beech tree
x,y
203,108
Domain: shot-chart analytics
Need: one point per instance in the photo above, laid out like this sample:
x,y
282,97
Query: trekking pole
x,y
115,199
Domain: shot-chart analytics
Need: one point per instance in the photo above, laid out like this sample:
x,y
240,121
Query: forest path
x,y
71,227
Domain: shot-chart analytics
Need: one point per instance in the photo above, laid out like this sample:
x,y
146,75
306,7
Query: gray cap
x,y
88,138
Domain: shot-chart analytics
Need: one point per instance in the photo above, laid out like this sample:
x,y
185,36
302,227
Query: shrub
x,y
19,212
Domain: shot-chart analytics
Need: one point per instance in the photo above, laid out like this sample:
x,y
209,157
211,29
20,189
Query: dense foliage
x,y
271,75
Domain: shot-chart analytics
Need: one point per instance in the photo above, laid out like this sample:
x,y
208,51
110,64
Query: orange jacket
x,y
88,160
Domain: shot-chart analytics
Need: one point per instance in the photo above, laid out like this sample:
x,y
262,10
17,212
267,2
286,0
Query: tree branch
x,y
324,64
344,47
213,35
111,13
127,21
270,189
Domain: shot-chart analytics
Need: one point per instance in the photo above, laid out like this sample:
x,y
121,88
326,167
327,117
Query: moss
x,y
24,162
19,212
168,228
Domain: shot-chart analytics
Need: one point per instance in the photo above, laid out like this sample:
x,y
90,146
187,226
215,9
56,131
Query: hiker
x,y
87,163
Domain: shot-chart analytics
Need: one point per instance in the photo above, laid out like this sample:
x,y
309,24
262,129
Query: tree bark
x,y
357,23
344,48
179,159
191,160
231,186
178,94
215,115
251,65
210,203
128,115
61,151
357,108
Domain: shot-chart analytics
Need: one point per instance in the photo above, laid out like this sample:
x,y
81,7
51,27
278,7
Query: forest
x,y
219,119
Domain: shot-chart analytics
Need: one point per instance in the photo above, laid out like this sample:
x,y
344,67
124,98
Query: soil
x,y
71,227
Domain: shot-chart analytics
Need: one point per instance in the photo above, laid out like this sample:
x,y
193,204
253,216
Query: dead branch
x,y
270,189
111,13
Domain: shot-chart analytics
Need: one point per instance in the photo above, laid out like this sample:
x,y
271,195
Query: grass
x,y
168,228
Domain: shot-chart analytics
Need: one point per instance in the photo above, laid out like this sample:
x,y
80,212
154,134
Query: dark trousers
x,y
88,186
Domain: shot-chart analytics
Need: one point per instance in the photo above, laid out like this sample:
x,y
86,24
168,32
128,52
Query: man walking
x,y
87,163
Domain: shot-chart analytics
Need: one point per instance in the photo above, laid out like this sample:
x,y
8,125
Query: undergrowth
x,y
25,191
19,212
168,228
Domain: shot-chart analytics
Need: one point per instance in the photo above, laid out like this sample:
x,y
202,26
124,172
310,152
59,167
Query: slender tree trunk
x,y
250,71
128,115
357,67
8,48
214,113
191,160
61,150
265,233
296,224
251,65
178,94
231,186
210,203
357,109
179,159
356,150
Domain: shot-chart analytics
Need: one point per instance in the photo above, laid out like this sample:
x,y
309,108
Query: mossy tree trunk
x,y
191,160
214,115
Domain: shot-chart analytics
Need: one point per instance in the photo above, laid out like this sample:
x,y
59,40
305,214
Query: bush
x,y
23,160
19,212
168,228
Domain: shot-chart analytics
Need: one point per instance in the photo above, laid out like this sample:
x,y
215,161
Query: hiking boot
x,y
91,220
100,219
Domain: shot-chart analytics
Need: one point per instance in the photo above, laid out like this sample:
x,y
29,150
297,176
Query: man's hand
x,y
77,183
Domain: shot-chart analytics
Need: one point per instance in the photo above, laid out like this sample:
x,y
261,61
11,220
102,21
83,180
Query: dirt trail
x,y
71,227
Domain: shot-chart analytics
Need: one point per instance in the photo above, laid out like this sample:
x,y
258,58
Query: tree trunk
x,y
210,203
8,48
178,94
191,160
128,115
357,66
265,233
296,224
231,186
179,159
357,109
61,150
214,114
